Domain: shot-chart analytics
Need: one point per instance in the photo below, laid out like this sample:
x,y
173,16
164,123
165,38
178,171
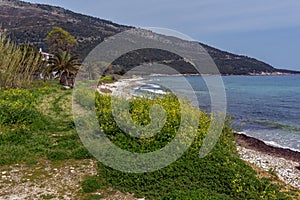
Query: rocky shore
x,y
284,162
122,87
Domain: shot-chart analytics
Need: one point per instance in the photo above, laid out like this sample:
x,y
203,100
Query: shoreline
x,y
259,145
258,74
121,87
284,162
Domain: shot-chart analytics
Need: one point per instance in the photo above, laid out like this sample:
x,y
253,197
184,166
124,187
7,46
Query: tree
x,y
63,65
60,39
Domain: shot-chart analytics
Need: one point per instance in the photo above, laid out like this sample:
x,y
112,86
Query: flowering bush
x,y
17,106
219,175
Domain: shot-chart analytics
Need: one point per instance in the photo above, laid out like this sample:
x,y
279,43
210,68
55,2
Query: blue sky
x,y
268,30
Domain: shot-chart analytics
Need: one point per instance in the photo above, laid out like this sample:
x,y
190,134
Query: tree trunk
x,y
64,79
71,80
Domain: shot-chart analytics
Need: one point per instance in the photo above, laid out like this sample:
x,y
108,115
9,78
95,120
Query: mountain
x,y
29,23
232,64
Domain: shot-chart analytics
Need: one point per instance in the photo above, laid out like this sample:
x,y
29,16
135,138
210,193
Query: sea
x,y
263,107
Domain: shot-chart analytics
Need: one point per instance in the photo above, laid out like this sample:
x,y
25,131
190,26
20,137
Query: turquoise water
x,y
265,107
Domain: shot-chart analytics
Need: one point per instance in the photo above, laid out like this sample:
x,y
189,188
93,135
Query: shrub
x,y
219,175
17,107
18,65
90,184
106,79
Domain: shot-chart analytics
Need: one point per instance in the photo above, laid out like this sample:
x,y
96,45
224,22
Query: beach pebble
x,y
285,169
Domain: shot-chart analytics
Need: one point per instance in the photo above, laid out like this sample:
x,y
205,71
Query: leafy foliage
x,y
106,79
18,65
16,107
220,175
90,184
64,65
50,133
60,40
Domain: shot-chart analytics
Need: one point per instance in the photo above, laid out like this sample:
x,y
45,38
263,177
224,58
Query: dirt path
x,y
53,179
45,180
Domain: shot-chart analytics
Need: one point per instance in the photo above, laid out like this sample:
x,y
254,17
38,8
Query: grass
x,y
43,128
48,196
90,184
18,64
38,124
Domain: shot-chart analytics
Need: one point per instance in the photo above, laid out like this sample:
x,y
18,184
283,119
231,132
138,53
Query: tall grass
x,y
18,66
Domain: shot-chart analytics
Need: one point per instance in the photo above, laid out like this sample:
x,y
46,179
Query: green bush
x,y
196,194
106,79
220,175
18,65
90,184
18,106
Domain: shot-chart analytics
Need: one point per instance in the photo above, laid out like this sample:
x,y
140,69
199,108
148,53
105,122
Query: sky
x,y
267,30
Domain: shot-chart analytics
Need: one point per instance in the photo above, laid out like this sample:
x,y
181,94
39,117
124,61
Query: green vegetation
x,y
18,65
89,31
60,40
48,196
90,184
62,62
135,58
65,67
37,124
220,175
227,63
106,79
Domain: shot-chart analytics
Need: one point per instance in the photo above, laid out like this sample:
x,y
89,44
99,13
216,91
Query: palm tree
x,y
63,65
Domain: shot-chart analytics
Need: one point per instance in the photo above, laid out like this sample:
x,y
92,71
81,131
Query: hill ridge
x,y
27,22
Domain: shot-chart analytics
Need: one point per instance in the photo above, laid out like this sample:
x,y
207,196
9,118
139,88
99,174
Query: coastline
x,y
121,87
284,162
251,74
258,145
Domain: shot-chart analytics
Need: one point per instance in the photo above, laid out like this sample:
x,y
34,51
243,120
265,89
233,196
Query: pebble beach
x,y
284,162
